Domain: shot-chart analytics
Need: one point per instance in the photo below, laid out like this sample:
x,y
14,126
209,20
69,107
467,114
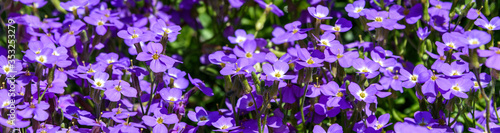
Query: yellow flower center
x,y
295,31
439,6
10,122
224,127
98,83
474,41
379,19
5,103
310,61
450,44
329,108
167,30
429,127
71,32
442,58
476,84
336,28
455,73
490,27
41,59
277,75
159,120
32,106
434,77
362,95
119,111
396,77
100,23
156,56
379,126
340,56
414,78
365,70
340,94
456,88
6,68
497,52
118,88
358,9
324,42
134,36
248,55
172,99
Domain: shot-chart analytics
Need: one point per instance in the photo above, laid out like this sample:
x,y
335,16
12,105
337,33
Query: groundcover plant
x,y
120,66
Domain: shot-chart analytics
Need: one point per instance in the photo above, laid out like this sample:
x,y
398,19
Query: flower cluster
x,y
119,66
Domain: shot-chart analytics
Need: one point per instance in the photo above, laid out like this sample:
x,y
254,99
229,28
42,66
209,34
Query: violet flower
x,y
355,9
132,35
367,95
158,120
336,53
493,56
159,62
224,124
240,37
277,71
455,87
334,128
118,88
163,30
203,117
341,25
99,22
319,12
419,75
423,33
272,7
476,38
367,67
308,60
494,24
34,110
200,85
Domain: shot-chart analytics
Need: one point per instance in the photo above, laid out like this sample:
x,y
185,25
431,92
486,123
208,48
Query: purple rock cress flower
x,y
355,9
455,87
476,38
494,24
493,57
158,120
240,37
420,75
159,62
367,67
319,12
277,71
336,53
367,95
118,88
334,128
341,25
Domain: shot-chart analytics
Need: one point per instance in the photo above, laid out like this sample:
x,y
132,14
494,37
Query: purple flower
x,y
336,53
423,33
247,103
453,40
242,66
327,39
367,95
380,123
341,25
422,118
483,78
308,60
473,14
419,75
334,128
236,3
163,30
326,89
240,37
34,110
429,87
392,80
455,69
68,39
131,35
200,85
158,120
494,24
224,124
203,117
476,38
117,114
493,57
367,67
248,51
159,62
277,71
118,88
43,56
293,33
273,8
455,87
100,80
99,22
171,95
381,19
319,12
355,9
414,14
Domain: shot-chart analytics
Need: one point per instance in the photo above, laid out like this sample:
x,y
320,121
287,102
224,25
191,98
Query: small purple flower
x,y
454,69
202,116
247,103
293,33
34,110
248,51
310,60
367,67
240,37
242,66
493,57
334,128
355,9
341,25
327,39
100,80
455,87
236,3
159,62
494,24
319,12
476,38
224,124
131,35
99,22
392,80
423,33
380,123
422,118
158,120
419,75
43,56
68,39
163,30
336,53
118,88
273,8
414,14
200,85
367,95
473,14
277,71
484,79
171,95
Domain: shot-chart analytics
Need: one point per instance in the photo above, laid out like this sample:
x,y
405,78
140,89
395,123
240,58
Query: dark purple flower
x,y
414,14
202,116
392,80
380,123
242,66
293,33
319,12
200,85
341,25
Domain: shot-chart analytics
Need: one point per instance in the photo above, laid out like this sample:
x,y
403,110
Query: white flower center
x,y
277,74
473,41
41,58
358,9
240,39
